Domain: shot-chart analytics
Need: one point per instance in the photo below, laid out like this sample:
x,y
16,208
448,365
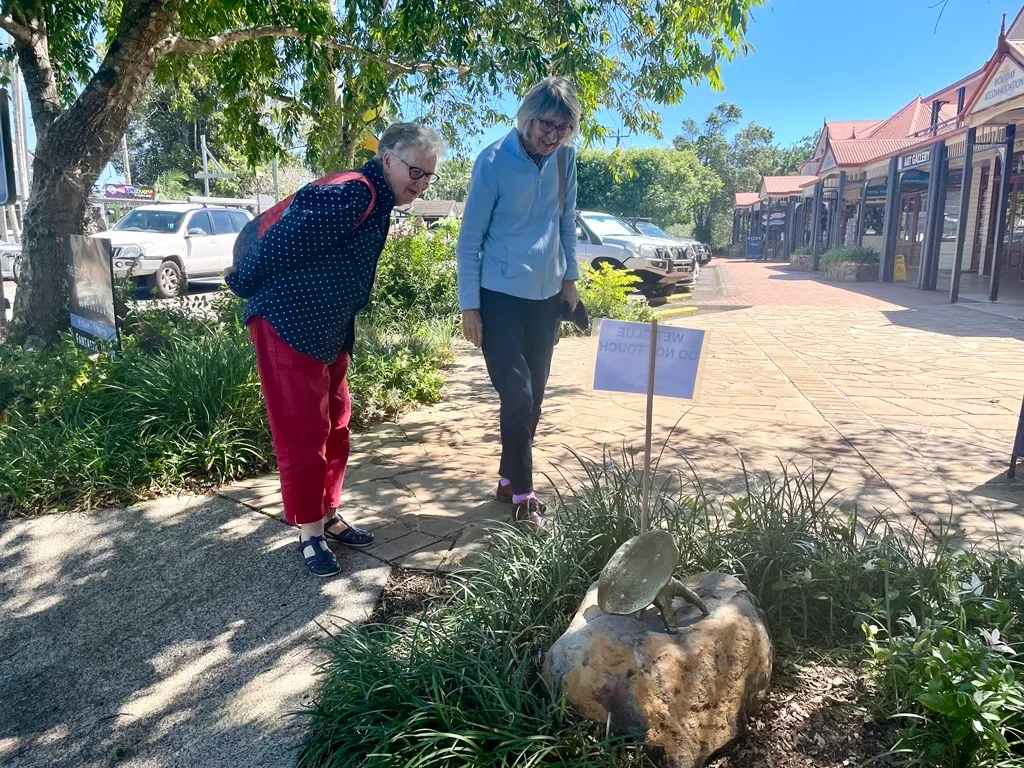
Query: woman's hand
x,y
569,294
473,327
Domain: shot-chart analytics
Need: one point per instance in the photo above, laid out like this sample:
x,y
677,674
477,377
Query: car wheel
x,y
16,269
605,260
169,280
659,291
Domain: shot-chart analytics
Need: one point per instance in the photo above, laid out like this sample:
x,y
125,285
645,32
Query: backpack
x,y
248,240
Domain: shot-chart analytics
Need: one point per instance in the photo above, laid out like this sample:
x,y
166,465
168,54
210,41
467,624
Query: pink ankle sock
x,y
504,483
519,498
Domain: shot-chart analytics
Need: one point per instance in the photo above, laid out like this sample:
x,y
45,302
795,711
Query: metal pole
x,y
277,189
652,361
789,231
206,170
859,240
890,223
838,235
816,227
929,274
1001,213
965,207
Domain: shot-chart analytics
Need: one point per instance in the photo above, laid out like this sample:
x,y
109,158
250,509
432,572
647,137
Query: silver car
x,y
10,261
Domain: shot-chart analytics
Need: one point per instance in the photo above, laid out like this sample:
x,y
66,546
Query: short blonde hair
x,y
554,99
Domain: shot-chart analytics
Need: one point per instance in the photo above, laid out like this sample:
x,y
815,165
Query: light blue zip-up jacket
x,y
512,238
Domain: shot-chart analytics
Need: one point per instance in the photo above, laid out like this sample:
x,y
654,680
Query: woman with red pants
x,y
309,275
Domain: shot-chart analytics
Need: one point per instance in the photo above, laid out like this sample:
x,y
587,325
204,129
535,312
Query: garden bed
x,y
908,640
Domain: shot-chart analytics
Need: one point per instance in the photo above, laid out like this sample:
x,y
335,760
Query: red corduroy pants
x,y
309,408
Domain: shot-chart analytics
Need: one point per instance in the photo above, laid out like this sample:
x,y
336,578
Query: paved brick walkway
x,y
910,402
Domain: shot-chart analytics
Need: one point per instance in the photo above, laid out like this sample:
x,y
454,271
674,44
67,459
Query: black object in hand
x,y
578,316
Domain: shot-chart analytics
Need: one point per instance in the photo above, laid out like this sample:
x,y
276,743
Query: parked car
x,y
166,245
660,263
693,249
10,261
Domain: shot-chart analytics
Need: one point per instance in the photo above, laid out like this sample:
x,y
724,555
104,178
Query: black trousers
x,y
519,337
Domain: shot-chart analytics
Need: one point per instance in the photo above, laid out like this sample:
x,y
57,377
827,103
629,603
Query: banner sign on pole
x,y
622,353
627,361
92,292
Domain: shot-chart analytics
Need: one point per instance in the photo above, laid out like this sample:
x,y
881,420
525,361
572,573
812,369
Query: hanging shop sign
x,y
921,157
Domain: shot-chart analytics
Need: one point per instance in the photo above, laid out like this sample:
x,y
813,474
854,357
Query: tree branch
x,y
16,29
215,43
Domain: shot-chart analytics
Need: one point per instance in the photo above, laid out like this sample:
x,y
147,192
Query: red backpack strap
x,y
343,176
272,215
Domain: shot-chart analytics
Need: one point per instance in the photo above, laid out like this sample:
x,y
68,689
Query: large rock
x,y
690,692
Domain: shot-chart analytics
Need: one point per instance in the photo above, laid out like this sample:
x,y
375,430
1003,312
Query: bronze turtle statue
x,y
640,573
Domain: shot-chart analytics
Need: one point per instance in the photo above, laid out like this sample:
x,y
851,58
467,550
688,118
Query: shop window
x,y
874,219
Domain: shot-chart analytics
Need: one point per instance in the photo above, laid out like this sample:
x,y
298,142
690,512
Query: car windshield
x,y
607,226
652,230
141,220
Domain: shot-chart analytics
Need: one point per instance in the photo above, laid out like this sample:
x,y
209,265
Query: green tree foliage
x,y
739,158
320,73
664,185
453,181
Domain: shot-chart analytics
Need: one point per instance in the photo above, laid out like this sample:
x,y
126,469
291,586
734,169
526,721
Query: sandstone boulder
x,y
691,692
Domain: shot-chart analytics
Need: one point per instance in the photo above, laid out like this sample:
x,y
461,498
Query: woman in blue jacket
x,y
517,265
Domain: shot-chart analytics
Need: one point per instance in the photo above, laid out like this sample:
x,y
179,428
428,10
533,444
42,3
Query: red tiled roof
x,y
948,94
862,151
915,116
746,198
779,186
850,129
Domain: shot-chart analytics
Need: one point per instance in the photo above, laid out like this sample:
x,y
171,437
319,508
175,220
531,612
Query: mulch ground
x,y
813,718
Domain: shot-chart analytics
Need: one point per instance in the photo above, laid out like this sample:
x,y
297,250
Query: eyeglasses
x,y
418,173
547,127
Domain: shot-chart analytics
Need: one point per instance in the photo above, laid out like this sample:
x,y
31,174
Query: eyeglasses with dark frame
x,y
547,128
418,173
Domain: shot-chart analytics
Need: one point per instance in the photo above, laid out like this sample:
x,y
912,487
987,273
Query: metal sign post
x,y
1018,444
673,358
652,363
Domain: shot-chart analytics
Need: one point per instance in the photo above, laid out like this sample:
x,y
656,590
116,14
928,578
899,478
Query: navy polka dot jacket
x,y
313,270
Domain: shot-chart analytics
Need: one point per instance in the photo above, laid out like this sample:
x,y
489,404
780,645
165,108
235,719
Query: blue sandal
x,y
322,562
350,536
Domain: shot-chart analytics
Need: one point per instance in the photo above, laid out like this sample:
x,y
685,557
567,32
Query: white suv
x,y
659,262
165,245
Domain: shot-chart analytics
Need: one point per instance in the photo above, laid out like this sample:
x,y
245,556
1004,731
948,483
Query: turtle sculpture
x,y
640,573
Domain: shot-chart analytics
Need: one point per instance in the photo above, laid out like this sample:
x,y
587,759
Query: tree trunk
x,y
72,148
55,211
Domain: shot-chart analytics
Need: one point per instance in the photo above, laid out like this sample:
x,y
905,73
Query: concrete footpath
x,y
179,633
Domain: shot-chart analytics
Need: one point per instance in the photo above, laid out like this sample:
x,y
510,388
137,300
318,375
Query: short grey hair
x,y
401,136
553,99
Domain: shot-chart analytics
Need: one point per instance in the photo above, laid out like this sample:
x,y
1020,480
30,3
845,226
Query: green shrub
x,y
843,254
179,407
803,250
416,276
606,293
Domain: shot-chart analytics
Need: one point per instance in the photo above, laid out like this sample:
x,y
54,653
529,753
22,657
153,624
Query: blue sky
x,y
841,59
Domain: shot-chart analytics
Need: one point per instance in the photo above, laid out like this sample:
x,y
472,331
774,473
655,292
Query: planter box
x,y
801,263
852,272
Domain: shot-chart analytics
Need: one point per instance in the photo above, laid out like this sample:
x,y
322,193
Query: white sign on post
x,y
623,351
627,361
